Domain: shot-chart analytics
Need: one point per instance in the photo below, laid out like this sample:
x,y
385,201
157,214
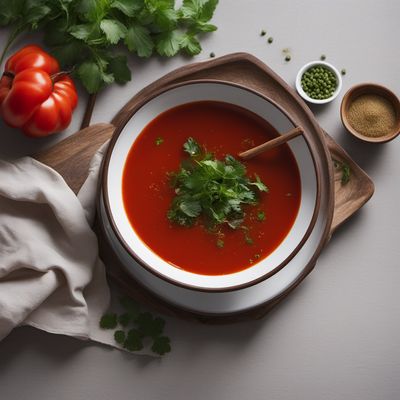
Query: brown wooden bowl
x,y
369,88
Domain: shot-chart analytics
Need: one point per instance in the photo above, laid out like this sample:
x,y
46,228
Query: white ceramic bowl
x,y
144,257
304,95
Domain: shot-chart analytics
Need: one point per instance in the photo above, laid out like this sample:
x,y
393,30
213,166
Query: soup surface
x,y
222,129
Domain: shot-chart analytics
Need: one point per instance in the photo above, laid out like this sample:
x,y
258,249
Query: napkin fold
x,y
51,276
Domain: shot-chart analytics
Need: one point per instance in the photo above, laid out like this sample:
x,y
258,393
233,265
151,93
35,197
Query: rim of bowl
x,y
305,96
369,88
154,271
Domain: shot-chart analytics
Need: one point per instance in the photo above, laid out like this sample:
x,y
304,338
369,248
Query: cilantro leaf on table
x,y
161,345
133,341
108,321
119,336
215,190
83,34
132,327
150,326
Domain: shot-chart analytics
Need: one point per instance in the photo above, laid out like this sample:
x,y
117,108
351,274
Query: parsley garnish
x,y
108,321
261,216
215,190
141,325
220,243
159,141
346,171
84,34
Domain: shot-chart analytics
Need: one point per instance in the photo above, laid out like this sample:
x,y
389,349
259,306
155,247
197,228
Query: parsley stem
x,y
89,110
13,35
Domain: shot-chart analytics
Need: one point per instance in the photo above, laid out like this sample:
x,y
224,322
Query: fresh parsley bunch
x,y
214,189
83,34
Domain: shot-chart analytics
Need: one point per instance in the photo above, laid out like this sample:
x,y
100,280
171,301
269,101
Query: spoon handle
x,y
245,155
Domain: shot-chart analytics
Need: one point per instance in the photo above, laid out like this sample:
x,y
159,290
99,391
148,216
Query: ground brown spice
x,y
372,115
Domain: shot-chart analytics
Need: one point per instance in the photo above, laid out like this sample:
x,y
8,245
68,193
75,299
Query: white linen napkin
x,y
50,274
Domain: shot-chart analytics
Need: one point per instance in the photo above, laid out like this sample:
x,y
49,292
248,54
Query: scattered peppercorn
x,y
270,40
323,57
343,71
212,55
263,33
288,58
319,82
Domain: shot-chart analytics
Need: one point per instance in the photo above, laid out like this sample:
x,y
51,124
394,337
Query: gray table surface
x,y
337,335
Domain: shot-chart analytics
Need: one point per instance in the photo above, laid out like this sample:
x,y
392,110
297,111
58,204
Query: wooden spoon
x,y
245,155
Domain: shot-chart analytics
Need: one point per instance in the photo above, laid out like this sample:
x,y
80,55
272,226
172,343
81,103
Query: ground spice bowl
x,y
324,64
369,88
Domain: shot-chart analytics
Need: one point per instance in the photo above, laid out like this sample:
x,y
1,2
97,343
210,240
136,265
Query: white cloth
x,y
50,274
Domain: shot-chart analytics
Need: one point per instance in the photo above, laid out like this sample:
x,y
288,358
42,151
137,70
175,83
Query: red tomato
x,y
34,95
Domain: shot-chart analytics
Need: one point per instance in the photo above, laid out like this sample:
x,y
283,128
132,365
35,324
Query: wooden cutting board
x,y
71,158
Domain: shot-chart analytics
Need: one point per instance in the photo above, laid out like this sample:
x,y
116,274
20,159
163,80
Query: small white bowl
x,y
304,95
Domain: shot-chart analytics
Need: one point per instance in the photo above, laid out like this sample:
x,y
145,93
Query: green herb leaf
x,y
128,7
138,39
133,341
124,319
119,337
149,326
261,216
119,69
91,76
108,321
192,147
159,141
220,243
82,31
191,45
168,43
113,29
345,174
161,345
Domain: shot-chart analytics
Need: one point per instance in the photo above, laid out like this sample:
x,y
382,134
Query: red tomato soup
x,y
222,129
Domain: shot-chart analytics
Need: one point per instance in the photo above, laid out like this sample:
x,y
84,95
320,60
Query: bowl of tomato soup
x,y
184,207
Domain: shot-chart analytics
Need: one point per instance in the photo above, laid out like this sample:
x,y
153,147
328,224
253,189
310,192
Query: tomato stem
x,y
58,75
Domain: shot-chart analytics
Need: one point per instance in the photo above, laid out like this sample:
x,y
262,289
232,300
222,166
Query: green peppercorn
x,y
288,58
323,57
343,71
319,82
263,33
212,54
270,40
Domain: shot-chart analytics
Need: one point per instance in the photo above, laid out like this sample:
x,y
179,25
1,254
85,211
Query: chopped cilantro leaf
x,y
220,243
345,174
261,216
133,341
161,345
159,141
192,147
119,336
108,321
149,326
124,319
